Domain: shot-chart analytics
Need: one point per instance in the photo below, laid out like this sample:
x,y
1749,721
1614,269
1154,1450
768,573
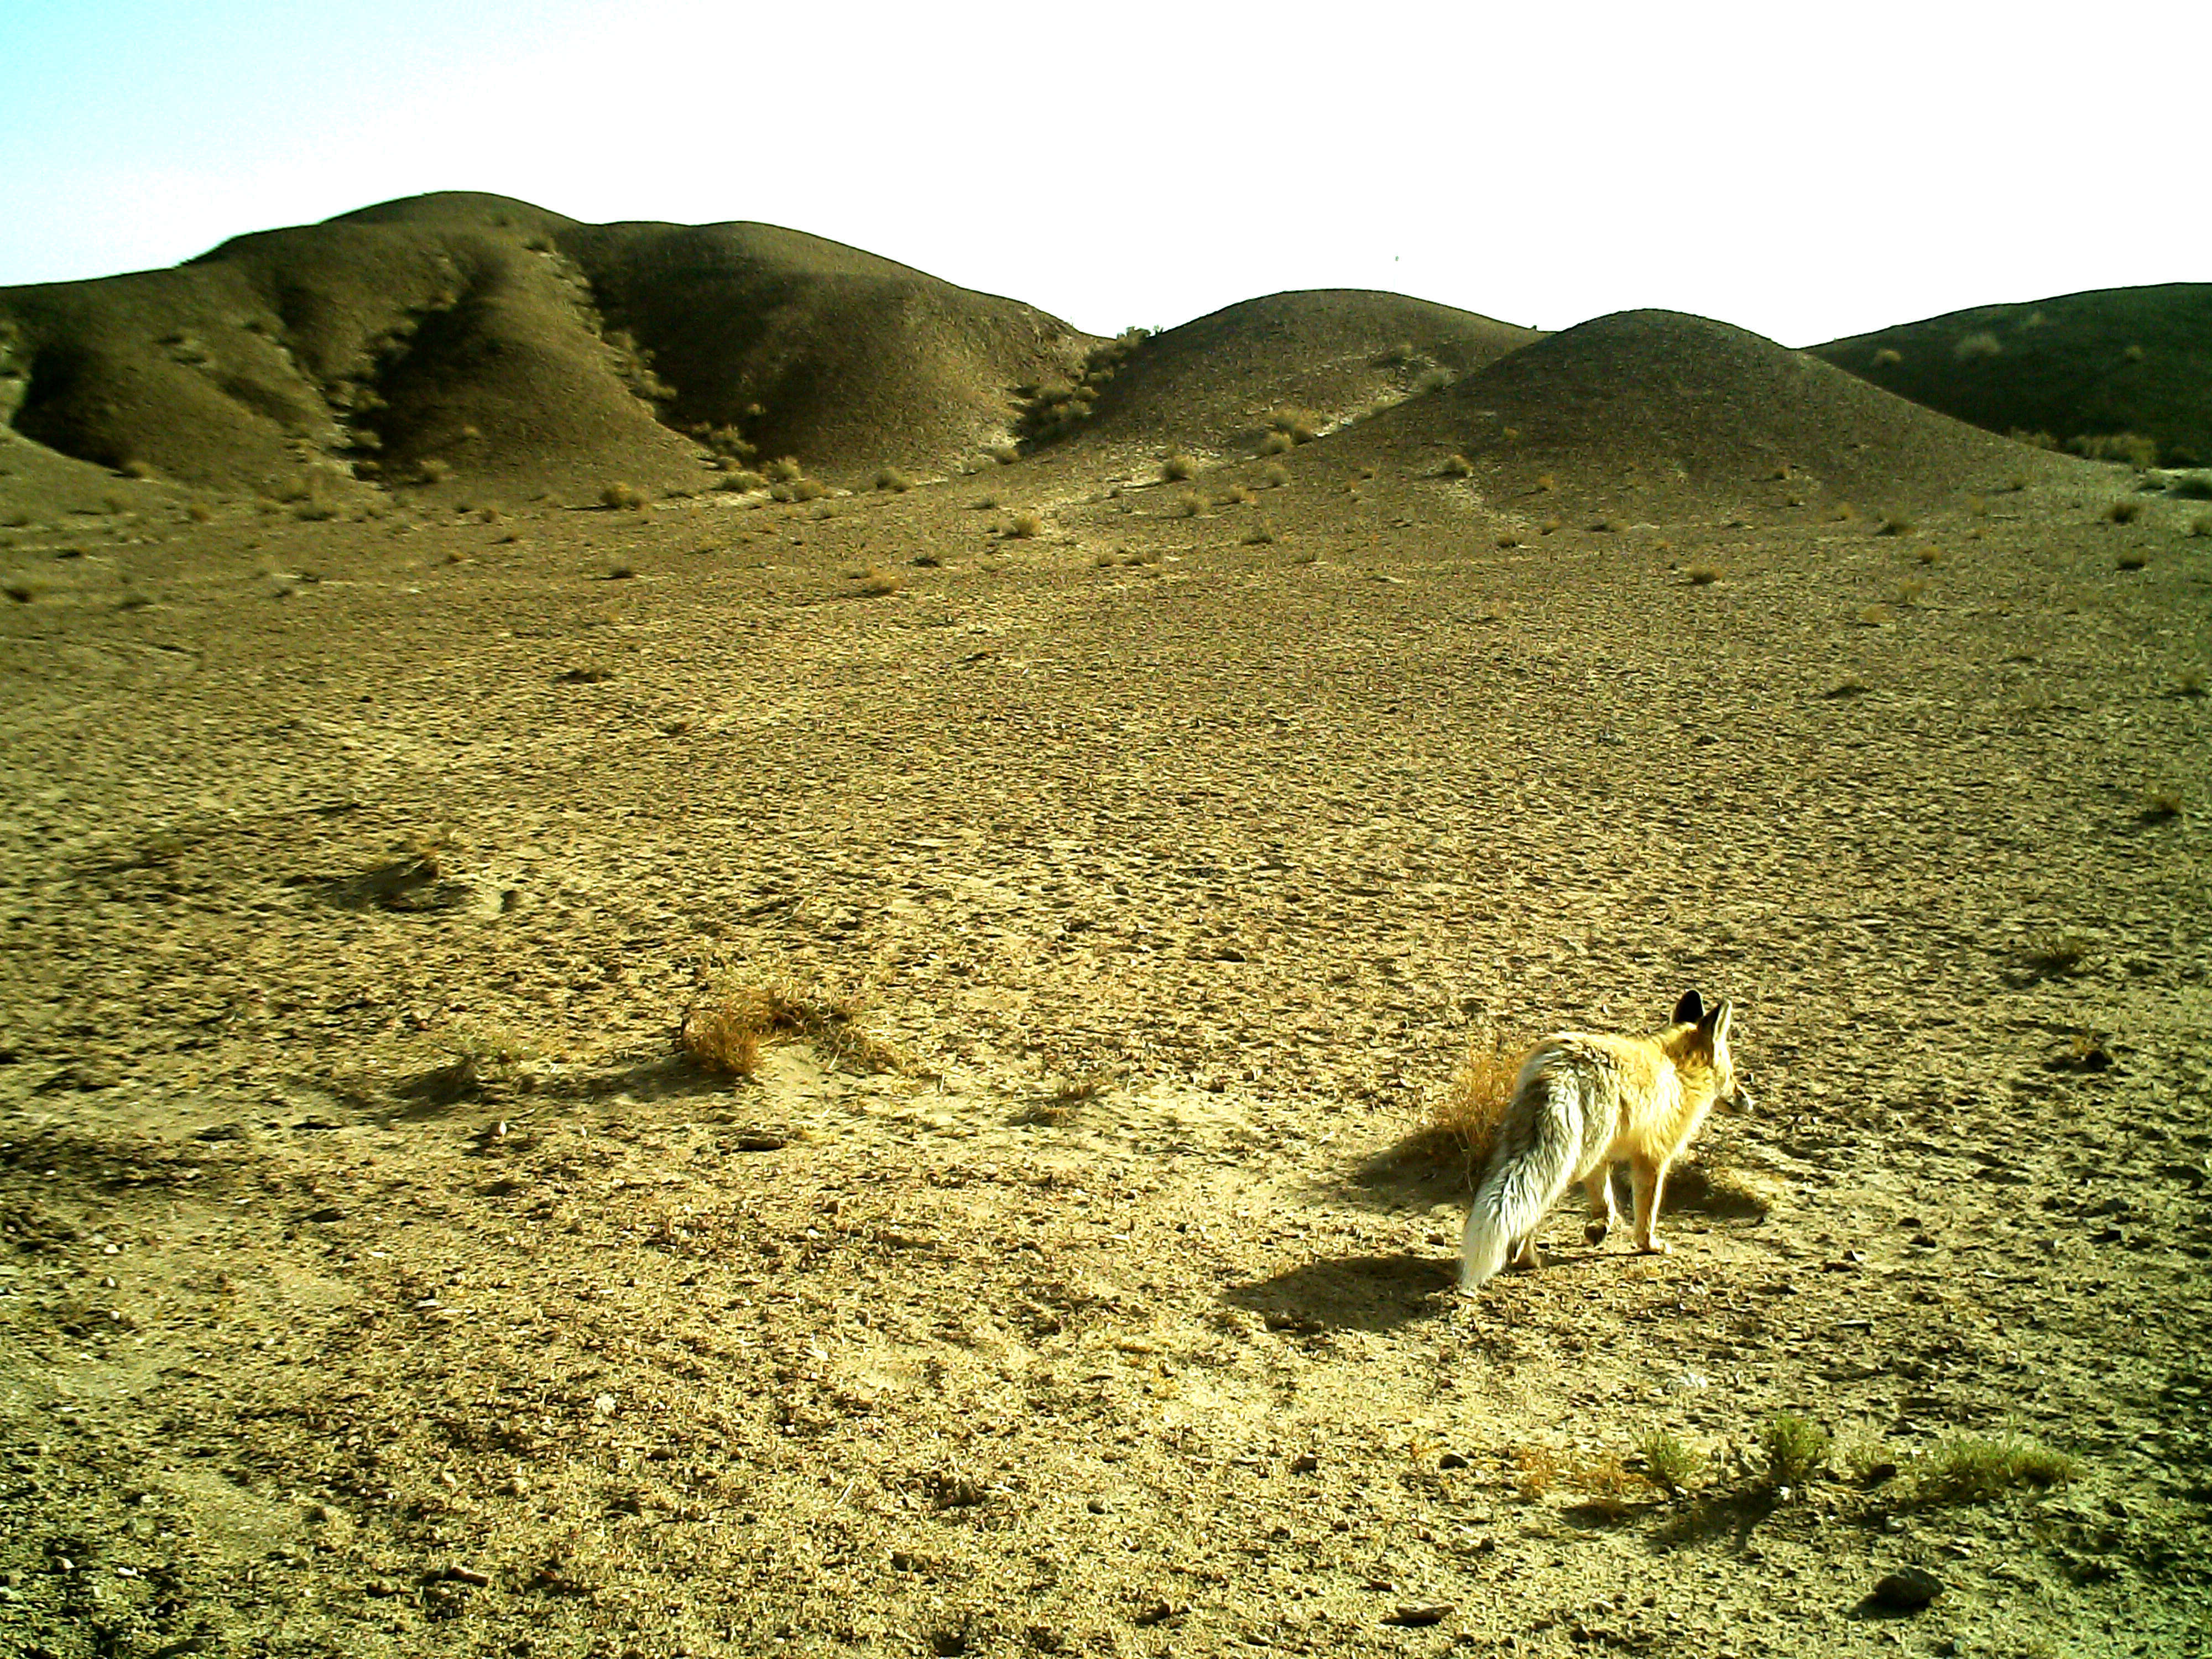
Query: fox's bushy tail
x,y
1538,1146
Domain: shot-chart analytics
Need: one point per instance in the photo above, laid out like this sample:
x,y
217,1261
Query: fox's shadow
x,y
1357,1293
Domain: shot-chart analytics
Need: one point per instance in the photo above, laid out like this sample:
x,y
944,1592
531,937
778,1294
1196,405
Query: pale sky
x,y
1804,170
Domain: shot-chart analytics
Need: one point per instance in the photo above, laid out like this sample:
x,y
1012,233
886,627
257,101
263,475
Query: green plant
x,y
784,469
1796,1450
1670,1464
1974,1468
1887,357
2124,512
1973,347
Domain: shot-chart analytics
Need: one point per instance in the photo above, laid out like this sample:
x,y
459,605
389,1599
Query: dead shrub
x,y
619,497
729,1025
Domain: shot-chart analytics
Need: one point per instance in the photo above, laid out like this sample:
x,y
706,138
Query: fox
x,y
1583,1102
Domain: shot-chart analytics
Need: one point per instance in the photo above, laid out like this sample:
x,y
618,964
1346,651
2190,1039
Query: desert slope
x,y
2090,365
477,339
1685,406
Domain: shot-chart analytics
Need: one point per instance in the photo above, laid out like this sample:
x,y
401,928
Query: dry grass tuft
x,y
2201,525
1972,348
1178,468
1278,443
891,478
621,497
1274,477
2193,487
1259,535
1300,425
1975,1468
1464,1121
2133,561
1702,575
2124,512
1888,357
728,1027
875,582
1458,466
1023,526
1893,524
1187,505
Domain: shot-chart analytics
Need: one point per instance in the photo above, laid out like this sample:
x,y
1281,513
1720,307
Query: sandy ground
x,y
377,1281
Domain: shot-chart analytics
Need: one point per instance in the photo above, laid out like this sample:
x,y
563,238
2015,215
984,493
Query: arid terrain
x,y
379,1278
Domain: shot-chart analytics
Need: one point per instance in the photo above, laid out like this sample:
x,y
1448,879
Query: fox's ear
x,y
1716,1023
1690,1009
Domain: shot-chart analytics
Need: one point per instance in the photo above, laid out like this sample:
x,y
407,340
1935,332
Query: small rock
x,y
328,1213
605,1405
1451,1460
221,1132
1414,1618
1906,1590
1304,1463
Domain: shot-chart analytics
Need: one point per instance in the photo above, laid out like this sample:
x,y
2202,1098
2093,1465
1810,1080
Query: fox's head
x,y
1707,1043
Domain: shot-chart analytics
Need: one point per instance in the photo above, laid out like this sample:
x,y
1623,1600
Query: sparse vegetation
x,y
1794,1449
2193,487
1974,347
2133,561
2201,525
1671,1465
742,481
2124,512
1887,357
1005,454
432,471
784,469
2131,448
2161,802
1702,575
1259,535
1274,477
892,479
876,582
1024,525
2055,954
1277,443
1458,466
729,1025
1546,482
1299,425
1976,1468
1894,524
1187,505
1178,468
618,496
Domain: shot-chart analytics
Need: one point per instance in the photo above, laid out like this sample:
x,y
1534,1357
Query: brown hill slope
x,y
484,338
2087,365
1331,354
1687,405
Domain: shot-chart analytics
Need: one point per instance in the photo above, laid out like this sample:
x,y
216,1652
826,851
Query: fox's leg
x,y
1525,1256
1650,1180
1599,1185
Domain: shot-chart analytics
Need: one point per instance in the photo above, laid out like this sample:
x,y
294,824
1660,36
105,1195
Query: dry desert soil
x,y
380,1278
